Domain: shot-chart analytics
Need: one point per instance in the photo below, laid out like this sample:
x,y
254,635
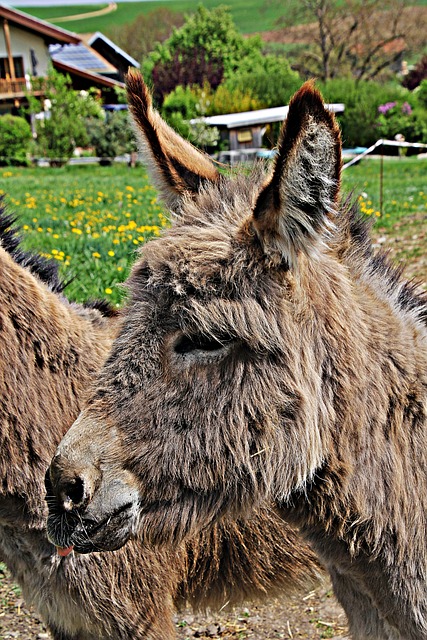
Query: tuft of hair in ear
x,y
297,204
178,168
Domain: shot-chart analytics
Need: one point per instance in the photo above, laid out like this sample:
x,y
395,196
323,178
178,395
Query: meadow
x,y
93,219
250,16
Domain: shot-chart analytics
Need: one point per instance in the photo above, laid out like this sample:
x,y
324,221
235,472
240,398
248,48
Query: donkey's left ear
x,y
297,204
178,168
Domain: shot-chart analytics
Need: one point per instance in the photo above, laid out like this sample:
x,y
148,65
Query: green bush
x,y
183,100
268,78
110,136
402,118
15,140
362,122
421,94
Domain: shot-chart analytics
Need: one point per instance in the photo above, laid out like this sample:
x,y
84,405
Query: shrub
x,y
110,136
268,78
15,140
401,117
361,122
183,100
421,94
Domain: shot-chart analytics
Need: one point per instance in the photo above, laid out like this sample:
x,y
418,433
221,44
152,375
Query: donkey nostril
x,y
73,493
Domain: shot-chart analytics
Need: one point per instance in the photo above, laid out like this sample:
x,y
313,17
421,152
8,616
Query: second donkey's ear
x,y
177,167
298,201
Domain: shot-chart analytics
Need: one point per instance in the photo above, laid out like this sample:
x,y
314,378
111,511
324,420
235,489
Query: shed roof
x,y
259,116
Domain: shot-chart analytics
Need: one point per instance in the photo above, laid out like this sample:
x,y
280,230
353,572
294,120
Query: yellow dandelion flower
x,y
76,230
108,291
95,254
111,253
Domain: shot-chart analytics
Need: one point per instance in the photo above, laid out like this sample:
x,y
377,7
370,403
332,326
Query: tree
x,y
207,47
360,38
63,127
140,37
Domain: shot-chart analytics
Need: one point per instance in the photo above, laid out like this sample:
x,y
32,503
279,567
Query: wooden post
x,y
9,49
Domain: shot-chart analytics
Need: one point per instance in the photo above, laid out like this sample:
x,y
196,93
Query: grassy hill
x,y
250,16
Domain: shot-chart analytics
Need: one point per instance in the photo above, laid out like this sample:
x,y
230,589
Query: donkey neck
x,y
50,350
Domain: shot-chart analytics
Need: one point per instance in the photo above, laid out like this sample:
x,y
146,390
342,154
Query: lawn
x,y
93,219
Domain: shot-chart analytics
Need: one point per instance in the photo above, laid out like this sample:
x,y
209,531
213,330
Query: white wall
x,y
21,42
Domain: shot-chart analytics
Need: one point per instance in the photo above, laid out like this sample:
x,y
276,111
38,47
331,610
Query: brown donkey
x,y
265,351
50,351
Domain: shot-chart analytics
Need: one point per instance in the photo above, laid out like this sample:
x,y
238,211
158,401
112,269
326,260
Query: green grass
x,y
404,188
92,219
250,16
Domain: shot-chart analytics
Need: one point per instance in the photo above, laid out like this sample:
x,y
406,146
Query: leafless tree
x,y
360,38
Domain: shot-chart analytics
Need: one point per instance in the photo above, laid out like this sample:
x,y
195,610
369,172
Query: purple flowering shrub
x,y
400,118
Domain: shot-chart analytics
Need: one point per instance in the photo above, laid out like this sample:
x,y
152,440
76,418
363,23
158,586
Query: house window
x,y
18,62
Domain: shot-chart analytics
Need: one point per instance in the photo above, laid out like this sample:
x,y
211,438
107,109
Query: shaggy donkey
x,y
265,351
50,351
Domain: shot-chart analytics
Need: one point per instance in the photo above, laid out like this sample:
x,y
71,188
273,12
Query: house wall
x,y
22,42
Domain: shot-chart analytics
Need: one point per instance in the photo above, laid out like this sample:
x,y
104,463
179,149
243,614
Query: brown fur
x,y
267,352
50,351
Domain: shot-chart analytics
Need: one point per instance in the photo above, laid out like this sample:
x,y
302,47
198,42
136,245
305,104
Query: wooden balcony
x,y
15,89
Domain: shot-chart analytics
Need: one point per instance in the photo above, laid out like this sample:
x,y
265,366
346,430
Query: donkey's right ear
x,y
298,203
177,167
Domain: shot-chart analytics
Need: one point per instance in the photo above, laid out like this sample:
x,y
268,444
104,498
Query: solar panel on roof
x,y
78,56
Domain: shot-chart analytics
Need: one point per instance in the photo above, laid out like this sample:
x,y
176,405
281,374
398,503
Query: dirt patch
x,y
405,243
312,615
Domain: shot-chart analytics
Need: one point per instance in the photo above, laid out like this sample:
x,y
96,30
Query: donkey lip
x,y
109,534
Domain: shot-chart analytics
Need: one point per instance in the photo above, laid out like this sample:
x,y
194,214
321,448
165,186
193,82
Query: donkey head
x,y
206,398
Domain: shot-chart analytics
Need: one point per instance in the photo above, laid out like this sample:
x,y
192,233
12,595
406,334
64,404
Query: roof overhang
x,y
96,78
90,38
48,31
257,117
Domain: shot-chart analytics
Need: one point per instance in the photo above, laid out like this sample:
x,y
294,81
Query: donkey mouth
x,y
72,531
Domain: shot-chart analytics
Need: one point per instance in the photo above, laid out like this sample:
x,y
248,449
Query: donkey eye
x,y
190,344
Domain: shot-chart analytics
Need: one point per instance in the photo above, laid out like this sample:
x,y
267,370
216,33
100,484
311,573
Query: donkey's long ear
x,y
177,167
298,202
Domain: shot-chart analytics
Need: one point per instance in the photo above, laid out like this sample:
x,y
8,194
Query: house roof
x,y
81,56
259,116
96,78
45,29
91,38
